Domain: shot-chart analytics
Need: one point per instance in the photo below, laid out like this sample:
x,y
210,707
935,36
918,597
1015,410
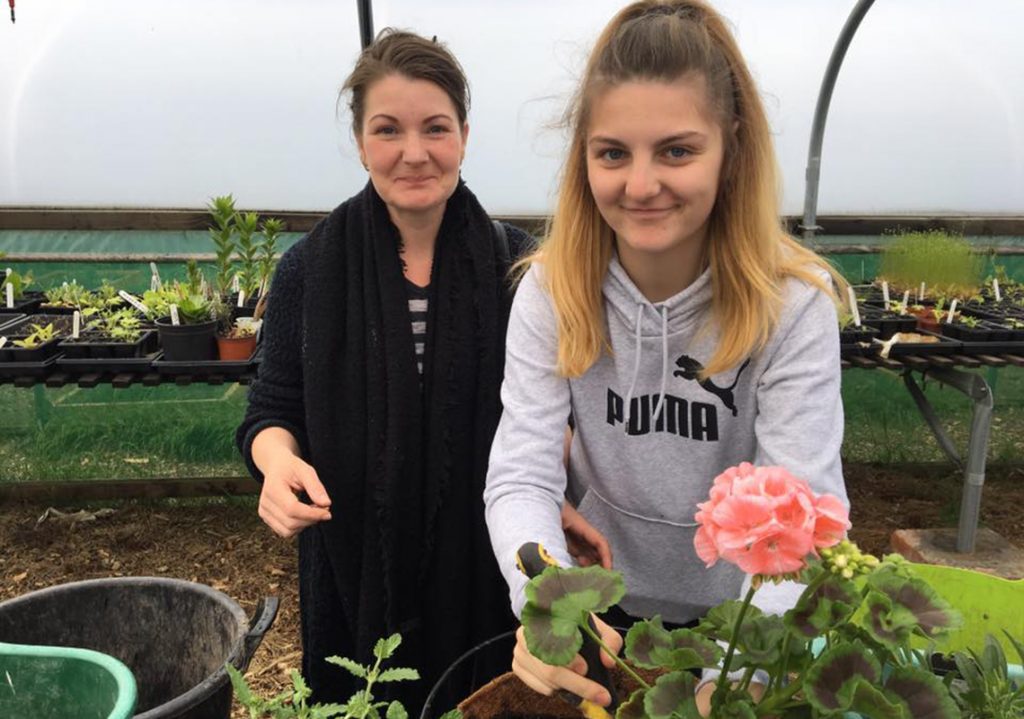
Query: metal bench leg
x,y
978,391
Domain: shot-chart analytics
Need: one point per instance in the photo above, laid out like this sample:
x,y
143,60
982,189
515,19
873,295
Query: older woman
x,y
378,395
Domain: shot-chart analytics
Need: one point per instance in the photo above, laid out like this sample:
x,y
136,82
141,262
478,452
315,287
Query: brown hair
x,y
399,52
749,252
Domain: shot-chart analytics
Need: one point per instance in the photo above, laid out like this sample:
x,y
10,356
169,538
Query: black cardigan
x,y
398,562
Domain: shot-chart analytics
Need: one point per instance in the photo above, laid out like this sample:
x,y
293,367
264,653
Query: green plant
x,y
40,335
985,689
968,321
292,704
271,230
244,327
248,252
193,308
222,210
70,294
946,264
18,282
120,326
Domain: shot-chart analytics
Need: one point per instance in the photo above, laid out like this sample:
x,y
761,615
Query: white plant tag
x,y
906,299
853,306
885,293
133,301
175,320
10,295
3,341
952,312
76,324
155,272
921,295
263,286
995,290
241,297
236,284
154,283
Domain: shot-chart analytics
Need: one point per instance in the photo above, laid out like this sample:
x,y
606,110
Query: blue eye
x,y
677,153
613,154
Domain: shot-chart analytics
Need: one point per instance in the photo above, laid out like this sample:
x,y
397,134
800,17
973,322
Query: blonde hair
x,y
748,250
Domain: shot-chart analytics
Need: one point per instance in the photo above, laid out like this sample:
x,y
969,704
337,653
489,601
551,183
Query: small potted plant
x,y
238,342
36,344
188,331
115,334
14,294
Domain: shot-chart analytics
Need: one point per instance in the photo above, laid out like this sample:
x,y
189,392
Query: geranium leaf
x,y
736,709
823,608
552,639
887,622
634,708
933,615
574,590
869,701
672,697
762,639
720,620
922,693
650,645
831,680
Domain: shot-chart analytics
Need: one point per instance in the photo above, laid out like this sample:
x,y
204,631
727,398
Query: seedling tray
x,y
102,365
28,369
7,318
203,368
100,349
944,346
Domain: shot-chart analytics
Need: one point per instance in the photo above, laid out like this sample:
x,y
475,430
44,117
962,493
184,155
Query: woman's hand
x,y
284,479
585,543
703,696
547,679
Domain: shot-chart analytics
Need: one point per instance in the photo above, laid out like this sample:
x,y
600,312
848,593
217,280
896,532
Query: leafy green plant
x,y
985,689
222,211
70,294
20,283
945,263
968,321
40,335
293,703
248,249
120,326
271,230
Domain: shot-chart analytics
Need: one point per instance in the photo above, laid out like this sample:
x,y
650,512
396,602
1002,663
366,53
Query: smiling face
x,y
412,144
654,157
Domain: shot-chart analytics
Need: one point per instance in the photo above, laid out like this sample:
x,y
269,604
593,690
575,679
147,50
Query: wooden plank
x,y
246,379
24,381
965,361
888,363
125,379
991,360
57,379
88,381
215,379
863,362
152,379
940,361
183,380
844,364
105,489
1015,360
915,362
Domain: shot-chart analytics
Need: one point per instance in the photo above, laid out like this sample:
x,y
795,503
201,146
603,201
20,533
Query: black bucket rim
x,y
240,653
428,703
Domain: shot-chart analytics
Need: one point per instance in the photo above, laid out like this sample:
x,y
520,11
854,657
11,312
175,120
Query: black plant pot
x,y
188,343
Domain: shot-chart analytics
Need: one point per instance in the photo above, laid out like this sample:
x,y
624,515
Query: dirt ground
x,y
225,545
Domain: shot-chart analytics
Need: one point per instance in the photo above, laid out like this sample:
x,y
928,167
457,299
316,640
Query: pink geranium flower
x,y
766,521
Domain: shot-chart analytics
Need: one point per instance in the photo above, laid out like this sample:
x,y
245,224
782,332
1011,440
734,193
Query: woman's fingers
x,y
280,506
611,638
546,679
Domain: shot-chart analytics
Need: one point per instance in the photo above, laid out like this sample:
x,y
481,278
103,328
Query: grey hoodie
x,y
650,438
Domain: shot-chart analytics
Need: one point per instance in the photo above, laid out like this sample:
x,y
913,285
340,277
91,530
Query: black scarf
x,y
405,466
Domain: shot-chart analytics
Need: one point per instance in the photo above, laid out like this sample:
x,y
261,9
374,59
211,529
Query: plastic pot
x,y
174,635
236,349
188,343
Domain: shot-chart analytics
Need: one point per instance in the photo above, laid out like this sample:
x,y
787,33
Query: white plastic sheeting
x,y
164,103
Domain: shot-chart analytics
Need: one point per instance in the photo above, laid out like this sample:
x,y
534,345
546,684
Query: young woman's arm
x,y
526,478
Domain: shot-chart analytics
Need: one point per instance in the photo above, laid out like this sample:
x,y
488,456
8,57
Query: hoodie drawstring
x,y
636,364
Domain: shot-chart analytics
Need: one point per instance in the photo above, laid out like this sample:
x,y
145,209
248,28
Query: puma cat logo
x,y
689,368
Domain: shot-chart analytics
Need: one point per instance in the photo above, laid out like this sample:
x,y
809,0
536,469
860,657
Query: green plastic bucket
x,y
60,682
989,605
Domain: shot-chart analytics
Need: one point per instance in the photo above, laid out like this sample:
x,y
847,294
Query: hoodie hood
x,y
642,318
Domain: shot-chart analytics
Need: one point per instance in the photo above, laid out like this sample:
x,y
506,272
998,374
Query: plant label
x,y
241,297
853,305
952,312
3,341
995,290
175,320
921,295
76,324
9,288
133,301
236,284
263,286
155,272
906,299
885,293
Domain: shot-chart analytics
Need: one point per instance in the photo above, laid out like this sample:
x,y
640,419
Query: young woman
x,y
671,315
378,397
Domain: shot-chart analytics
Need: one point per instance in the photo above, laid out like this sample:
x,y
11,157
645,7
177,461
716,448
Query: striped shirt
x,y
418,316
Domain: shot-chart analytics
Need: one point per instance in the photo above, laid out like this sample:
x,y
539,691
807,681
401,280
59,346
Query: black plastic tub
x,y
174,635
468,673
188,343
